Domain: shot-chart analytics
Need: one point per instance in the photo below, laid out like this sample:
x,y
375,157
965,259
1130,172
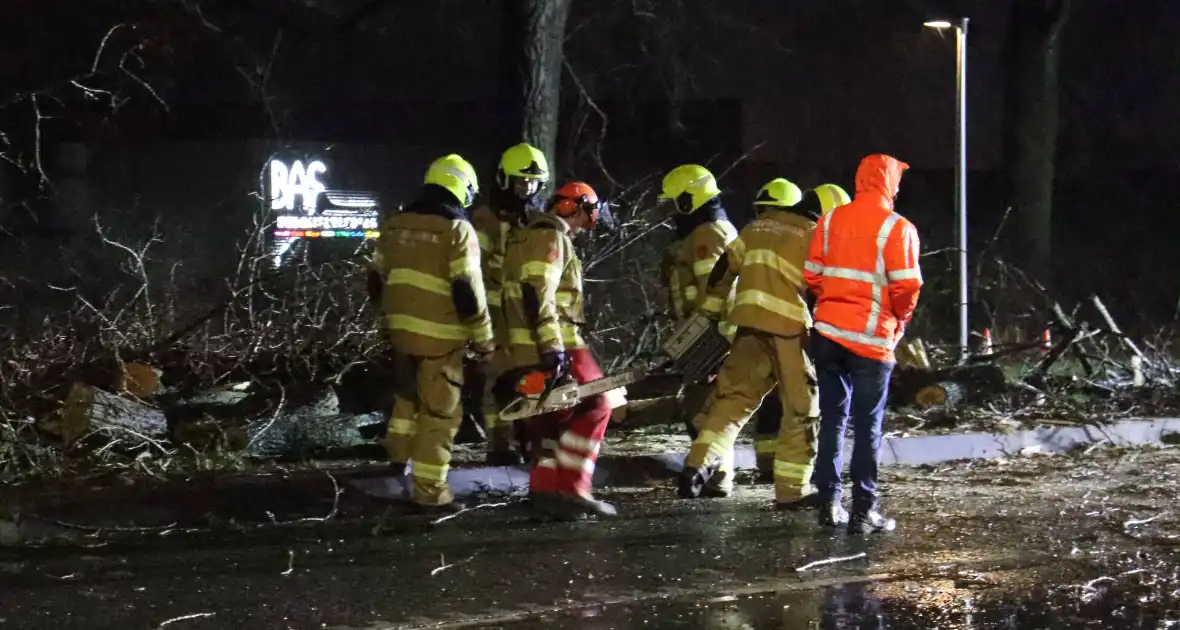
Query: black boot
x,y
569,507
869,520
693,481
831,514
809,502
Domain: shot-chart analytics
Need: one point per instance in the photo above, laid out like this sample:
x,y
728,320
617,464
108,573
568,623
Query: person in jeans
x,y
862,268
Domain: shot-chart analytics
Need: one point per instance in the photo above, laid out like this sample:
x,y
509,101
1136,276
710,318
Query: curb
x,y
901,451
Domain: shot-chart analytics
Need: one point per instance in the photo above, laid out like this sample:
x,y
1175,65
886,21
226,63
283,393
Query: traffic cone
x,y
1046,341
985,346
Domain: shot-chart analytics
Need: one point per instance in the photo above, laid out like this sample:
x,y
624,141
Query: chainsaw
x,y
691,353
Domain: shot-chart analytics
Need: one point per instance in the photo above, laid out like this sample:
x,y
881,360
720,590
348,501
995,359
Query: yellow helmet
x,y
456,175
779,192
691,179
831,197
524,161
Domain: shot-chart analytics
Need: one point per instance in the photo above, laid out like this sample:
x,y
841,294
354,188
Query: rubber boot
x,y
865,521
569,507
719,486
693,481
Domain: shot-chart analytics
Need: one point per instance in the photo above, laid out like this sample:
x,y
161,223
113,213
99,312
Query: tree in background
x,y
531,65
1031,125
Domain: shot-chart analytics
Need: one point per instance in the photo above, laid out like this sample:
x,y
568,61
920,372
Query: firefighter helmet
x,y
779,192
693,180
524,161
831,197
576,197
456,175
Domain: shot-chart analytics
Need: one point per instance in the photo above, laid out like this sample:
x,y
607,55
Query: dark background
x,y
199,93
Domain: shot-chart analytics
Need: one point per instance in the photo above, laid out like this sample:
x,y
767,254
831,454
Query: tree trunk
x,y
531,64
1030,133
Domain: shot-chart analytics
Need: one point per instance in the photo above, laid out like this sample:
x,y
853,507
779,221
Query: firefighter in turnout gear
x,y
769,416
543,306
522,171
435,312
771,314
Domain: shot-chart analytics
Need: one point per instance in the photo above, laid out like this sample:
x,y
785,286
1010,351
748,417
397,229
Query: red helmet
x,y
574,197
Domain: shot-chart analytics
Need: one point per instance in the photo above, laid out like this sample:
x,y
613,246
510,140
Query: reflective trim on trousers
x,y
433,472
401,426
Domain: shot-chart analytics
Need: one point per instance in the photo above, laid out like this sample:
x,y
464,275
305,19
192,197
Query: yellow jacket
x,y
493,239
433,301
687,267
767,261
543,299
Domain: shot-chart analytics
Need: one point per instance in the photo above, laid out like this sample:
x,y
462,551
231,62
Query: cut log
x,y
139,380
943,394
312,429
91,410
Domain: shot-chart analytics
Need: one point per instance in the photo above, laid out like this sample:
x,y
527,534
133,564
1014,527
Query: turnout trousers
x,y
426,416
501,434
759,363
566,443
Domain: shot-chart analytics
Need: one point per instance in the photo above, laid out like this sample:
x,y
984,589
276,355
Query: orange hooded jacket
x,y
863,265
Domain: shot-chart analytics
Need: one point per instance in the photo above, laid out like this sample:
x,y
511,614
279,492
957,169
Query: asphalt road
x,y
968,554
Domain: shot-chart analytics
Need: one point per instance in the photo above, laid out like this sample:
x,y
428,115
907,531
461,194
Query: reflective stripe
x,y
481,334
690,293
880,283
827,221
521,337
855,337
485,243
765,446
737,248
704,266
418,280
578,443
713,304
549,444
547,462
571,338
727,330
905,274
495,298
790,470
512,290
548,335
433,472
845,273
770,259
565,298
777,305
573,461
412,324
465,266
401,426
549,271
813,267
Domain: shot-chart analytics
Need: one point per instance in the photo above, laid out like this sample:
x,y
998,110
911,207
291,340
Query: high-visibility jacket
x,y
687,268
863,265
433,301
543,298
767,260
493,238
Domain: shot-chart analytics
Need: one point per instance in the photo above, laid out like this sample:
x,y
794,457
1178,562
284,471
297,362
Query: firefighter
x,y
767,420
771,314
544,310
863,269
434,309
522,172
702,232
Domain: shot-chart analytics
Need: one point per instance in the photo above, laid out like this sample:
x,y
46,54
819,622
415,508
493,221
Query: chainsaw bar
x,y
566,396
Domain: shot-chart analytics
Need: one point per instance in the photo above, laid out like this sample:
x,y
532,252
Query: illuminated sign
x,y
305,207
288,183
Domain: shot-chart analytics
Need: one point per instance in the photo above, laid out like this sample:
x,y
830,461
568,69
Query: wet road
x,y
976,557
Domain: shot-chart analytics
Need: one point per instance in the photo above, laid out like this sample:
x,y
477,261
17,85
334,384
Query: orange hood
x,y
880,176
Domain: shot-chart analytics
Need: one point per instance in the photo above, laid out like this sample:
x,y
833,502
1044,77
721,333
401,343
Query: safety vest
x,y
767,259
493,239
863,267
689,263
541,255
424,256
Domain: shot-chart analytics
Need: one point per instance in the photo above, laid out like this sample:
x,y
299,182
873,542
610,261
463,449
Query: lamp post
x,y
960,168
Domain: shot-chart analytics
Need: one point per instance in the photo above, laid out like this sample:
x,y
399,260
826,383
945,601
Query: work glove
x,y
554,363
481,352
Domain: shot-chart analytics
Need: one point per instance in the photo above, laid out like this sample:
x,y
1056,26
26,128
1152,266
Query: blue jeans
x,y
849,385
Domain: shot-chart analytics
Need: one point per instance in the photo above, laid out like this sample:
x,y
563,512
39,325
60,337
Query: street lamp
x,y
961,167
